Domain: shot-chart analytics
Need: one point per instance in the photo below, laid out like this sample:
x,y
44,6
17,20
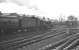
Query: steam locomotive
x,y
17,24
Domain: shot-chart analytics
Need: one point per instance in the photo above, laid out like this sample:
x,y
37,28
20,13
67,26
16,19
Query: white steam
x,y
49,8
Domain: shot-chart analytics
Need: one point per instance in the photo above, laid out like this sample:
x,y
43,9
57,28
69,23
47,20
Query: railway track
x,y
13,44
72,45
65,44
34,35
25,38
68,42
24,42
62,43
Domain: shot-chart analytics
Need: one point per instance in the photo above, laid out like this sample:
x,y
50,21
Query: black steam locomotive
x,y
18,24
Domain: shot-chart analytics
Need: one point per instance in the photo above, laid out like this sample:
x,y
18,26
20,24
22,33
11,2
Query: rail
x,y
22,42
66,43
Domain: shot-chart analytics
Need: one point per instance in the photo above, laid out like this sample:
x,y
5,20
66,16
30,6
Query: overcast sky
x,y
49,8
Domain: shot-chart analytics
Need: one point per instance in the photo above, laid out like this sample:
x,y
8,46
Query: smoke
x,y
2,1
48,8
21,7
28,3
19,2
